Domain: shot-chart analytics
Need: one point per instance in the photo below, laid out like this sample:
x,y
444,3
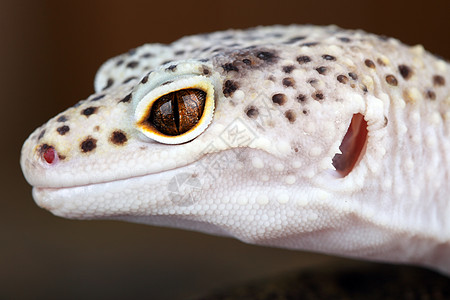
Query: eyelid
x,y
144,108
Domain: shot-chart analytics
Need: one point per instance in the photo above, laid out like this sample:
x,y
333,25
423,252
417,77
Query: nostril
x,y
352,146
48,154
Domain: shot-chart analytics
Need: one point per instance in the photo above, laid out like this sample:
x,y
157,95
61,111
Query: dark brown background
x,y
49,54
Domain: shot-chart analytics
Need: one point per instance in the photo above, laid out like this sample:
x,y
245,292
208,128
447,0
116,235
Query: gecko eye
x,y
352,147
177,111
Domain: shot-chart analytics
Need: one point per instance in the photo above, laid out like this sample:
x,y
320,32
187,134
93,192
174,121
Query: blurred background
x,y
50,51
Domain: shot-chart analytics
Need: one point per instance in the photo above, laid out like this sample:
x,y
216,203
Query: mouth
x,y
103,199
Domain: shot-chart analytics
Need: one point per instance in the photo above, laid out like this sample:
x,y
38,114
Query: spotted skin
x,y
263,171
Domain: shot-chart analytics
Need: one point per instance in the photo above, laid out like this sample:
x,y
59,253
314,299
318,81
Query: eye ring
x,y
178,111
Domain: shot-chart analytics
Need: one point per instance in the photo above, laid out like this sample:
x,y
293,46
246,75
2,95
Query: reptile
x,y
301,137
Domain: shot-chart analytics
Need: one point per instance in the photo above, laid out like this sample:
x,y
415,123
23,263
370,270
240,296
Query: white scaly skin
x,y
273,183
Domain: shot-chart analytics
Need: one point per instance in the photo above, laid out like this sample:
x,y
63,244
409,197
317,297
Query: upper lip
x,y
107,181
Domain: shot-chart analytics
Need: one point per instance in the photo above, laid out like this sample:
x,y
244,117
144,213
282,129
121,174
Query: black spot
x,y
229,87
322,70
391,80
266,56
98,98
41,135
342,79
383,38
309,44
129,79
295,39
344,39
290,115
126,99
88,145
328,57
131,52
205,49
288,82
78,103
229,67
369,63
205,70
252,112
303,59
279,99
42,148
89,111
312,82
353,76
166,62
250,59
145,79
132,64
405,71
167,82
301,98
431,95
119,62
364,88
380,62
179,52
438,80
146,55
109,83
288,69
118,137
63,129
171,68
318,96
305,112
62,119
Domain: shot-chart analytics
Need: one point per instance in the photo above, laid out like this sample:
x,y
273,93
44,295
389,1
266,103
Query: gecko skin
x,y
306,137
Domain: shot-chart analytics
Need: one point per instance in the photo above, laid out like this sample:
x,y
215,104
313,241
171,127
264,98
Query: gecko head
x,y
207,144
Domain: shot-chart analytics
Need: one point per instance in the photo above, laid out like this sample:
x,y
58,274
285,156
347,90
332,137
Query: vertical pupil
x,y
178,112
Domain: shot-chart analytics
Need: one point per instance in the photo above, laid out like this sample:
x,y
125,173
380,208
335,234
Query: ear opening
x,y
353,146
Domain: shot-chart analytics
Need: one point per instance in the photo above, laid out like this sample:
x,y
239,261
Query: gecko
x,y
302,137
